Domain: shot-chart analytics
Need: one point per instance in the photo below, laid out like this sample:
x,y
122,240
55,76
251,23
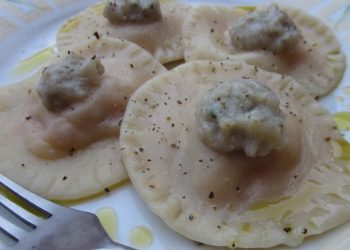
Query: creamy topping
x,y
270,29
241,115
73,80
132,10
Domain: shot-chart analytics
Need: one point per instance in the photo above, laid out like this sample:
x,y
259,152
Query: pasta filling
x,y
270,29
241,115
132,11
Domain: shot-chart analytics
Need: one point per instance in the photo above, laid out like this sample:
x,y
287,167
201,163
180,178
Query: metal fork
x,y
56,227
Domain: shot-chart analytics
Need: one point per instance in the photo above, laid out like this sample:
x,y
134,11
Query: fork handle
x,y
116,246
84,231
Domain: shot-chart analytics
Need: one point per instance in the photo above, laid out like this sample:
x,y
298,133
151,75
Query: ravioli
x,y
229,199
316,62
162,38
74,152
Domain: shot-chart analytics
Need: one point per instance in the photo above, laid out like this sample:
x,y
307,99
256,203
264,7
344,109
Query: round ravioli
x,y
72,153
162,38
229,199
316,61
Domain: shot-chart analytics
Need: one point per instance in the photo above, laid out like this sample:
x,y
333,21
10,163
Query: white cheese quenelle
x,y
285,40
136,21
60,133
226,165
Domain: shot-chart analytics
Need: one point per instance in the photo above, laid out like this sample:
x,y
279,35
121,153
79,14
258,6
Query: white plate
x,y
27,27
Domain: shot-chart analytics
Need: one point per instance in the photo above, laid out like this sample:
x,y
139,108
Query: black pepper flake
x,y
149,160
23,165
93,58
233,244
185,173
238,189
190,217
184,197
68,52
141,149
200,160
295,176
211,195
287,229
64,178
304,231
173,125
211,30
151,186
97,35
107,190
218,226
179,102
327,139
198,243
131,65
28,118
71,151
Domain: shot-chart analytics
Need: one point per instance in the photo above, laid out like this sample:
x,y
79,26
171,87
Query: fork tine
x,y
10,229
19,212
35,201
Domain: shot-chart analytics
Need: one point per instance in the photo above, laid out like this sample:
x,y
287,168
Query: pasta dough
x,y
316,61
73,153
231,199
162,38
